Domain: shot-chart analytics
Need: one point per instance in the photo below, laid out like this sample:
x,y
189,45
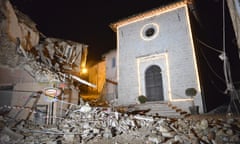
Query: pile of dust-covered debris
x,y
86,124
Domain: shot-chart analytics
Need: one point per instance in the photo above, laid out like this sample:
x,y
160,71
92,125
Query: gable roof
x,y
150,13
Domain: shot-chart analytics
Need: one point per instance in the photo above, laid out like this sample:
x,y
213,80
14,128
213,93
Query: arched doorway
x,y
154,85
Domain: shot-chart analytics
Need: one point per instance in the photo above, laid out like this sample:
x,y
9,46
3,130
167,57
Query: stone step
x,y
154,108
158,108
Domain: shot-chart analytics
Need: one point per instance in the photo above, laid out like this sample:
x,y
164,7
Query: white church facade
x,y
156,57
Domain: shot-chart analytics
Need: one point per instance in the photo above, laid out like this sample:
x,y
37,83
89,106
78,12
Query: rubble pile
x,y
52,58
85,124
23,47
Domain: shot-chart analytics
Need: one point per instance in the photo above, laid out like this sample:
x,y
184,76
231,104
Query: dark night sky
x,y
84,21
88,22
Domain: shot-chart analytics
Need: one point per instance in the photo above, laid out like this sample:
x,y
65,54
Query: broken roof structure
x,y
31,63
44,60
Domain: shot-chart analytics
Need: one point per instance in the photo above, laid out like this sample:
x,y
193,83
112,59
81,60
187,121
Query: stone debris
x,y
53,58
46,59
85,124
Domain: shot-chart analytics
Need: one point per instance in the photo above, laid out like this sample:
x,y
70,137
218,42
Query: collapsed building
x,y
37,75
34,68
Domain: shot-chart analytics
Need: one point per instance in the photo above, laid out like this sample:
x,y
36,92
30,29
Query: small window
x,y
113,62
149,31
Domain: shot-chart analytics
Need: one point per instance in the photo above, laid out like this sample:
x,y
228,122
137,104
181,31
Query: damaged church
x,y
156,57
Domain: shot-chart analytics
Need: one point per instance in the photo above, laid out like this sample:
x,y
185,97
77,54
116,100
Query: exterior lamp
x,y
84,70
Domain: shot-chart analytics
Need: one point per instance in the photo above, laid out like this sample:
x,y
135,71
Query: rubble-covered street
x,y
42,99
102,125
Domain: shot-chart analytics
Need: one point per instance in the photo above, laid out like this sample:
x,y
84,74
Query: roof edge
x,y
159,10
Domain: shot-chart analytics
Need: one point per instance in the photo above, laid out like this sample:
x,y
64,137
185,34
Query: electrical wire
x,y
206,45
219,89
214,49
234,98
210,67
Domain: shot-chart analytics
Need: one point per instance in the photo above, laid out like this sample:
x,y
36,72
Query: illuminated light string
x,y
182,99
148,15
168,78
155,57
133,20
193,50
167,65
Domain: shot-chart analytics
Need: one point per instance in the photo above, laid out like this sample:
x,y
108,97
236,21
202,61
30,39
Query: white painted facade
x,y
170,48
